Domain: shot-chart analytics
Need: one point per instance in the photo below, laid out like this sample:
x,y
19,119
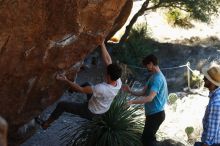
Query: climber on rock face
x,y
100,96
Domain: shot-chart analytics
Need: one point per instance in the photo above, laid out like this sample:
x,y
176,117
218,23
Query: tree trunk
x,y
133,20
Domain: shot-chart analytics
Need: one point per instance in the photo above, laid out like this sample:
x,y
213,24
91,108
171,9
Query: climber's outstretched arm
x,y
105,55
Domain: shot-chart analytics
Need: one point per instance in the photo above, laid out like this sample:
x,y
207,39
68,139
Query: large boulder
x,y
3,132
40,38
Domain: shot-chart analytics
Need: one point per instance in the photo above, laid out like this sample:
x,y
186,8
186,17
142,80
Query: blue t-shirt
x,y
158,84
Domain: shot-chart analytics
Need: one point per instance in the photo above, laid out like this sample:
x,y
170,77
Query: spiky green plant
x,y
120,126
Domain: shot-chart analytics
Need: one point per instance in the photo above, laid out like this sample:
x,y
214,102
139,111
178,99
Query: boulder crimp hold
x,y
41,38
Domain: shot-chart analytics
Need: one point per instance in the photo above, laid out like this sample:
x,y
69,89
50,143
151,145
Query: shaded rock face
x,y
3,132
41,38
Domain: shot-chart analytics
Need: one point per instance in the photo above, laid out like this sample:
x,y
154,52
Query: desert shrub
x,y
136,46
196,80
120,126
189,130
176,17
172,98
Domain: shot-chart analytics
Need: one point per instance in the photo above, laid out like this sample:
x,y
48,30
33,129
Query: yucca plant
x,y
120,126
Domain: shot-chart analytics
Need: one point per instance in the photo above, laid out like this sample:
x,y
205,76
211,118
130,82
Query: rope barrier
x,y
136,67
162,68
175,67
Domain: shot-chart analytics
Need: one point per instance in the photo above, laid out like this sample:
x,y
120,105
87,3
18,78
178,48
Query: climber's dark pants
x,y
80,109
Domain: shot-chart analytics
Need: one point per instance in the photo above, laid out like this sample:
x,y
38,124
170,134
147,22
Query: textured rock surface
x,y
3,132
39,39
121,19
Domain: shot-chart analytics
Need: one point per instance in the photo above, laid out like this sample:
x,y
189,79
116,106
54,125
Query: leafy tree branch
x,y
199,9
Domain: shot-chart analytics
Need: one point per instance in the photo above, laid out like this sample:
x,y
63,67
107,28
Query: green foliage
x,y
176,17
120,126
136,46
201,10
198,9
196,80
173,15
172,98
189,130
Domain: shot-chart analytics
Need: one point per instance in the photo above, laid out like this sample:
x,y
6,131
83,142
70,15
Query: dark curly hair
x,y
150,58
114,71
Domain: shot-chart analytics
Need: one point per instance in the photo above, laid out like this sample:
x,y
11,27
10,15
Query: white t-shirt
x,y
103,95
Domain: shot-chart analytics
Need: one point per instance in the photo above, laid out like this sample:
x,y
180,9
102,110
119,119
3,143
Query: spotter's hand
x,y
129,103
126,88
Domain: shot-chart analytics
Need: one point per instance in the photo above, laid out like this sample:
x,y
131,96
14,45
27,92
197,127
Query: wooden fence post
x,y
188,74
